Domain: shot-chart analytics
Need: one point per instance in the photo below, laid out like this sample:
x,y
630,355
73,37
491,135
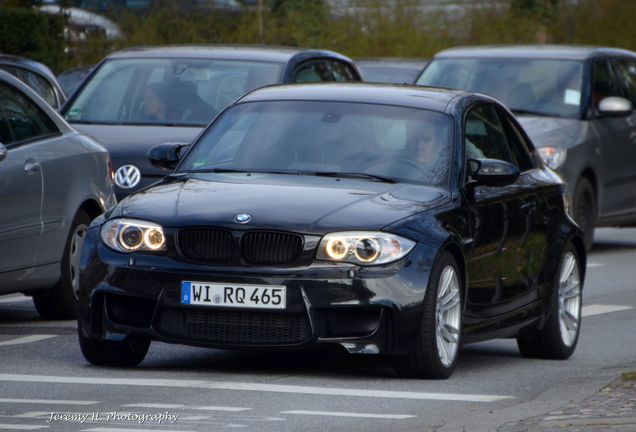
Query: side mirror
x,y
3,152
614,106
166,156
493,172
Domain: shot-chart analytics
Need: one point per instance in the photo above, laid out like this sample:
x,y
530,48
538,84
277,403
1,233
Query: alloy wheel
x,y
75,250
569,299
448,314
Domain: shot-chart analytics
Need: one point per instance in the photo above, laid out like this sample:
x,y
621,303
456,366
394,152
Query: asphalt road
x,y
45,384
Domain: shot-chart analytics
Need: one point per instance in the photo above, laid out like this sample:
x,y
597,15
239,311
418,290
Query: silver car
x,y
53,182
575,103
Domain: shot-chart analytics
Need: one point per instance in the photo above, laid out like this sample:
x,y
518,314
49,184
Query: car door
x,y
20,182
499,222
617,138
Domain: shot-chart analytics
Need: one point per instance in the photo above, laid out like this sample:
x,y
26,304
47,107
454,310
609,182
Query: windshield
x,y
179,92
546,87
373,142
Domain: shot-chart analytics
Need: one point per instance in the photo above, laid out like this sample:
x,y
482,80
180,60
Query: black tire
x,y
126,353
426,361
548,342
585,210
60,302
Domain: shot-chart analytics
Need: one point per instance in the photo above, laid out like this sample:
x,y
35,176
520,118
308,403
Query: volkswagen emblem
x,y
242,218
127,176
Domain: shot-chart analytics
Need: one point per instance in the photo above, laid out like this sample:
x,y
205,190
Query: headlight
x,y
363,247
130,235
553,157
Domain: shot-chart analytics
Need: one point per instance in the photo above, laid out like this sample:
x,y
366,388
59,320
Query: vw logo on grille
x,y
242,218
127,176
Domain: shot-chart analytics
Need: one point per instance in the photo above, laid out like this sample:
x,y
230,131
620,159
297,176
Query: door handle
x,y
31,166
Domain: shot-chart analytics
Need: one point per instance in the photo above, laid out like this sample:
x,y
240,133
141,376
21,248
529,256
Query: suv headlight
x,y
363,247
131,235
553,157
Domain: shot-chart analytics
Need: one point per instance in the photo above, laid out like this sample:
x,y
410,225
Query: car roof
x,y
431,98
27,63
238,52
560,52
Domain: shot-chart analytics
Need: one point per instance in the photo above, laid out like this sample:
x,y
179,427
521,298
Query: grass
x,y
629,376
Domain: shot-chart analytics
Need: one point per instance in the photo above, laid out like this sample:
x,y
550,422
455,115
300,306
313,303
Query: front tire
x,y
60,302
440,332
559,336
126,353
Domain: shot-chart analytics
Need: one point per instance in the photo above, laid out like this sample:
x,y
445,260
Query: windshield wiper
x,y
375,177
243,171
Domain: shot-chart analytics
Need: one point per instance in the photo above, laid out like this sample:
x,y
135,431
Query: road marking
x,y
26,339
48,401
14,427
272,388
32,415
14,299
350,414
599,309
128,430
590,265
171,406
42,324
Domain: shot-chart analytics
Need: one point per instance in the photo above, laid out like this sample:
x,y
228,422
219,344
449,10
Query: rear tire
x,y
585,210
440,332
60,302
558,338
127,353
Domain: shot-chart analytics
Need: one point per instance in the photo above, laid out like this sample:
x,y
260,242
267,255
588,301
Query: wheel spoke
x,y
444,357
444,284
449,333
571,292
566,268
569,320
454,301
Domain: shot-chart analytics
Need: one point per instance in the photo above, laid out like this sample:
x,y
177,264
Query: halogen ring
x,y
365,244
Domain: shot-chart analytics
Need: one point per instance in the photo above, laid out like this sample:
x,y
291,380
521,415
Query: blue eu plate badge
x,y
185,292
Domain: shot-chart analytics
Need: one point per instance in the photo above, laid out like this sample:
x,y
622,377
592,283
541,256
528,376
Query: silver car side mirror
x,y
614,106
3,152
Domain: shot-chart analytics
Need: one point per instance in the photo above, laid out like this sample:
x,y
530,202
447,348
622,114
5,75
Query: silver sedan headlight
x,y
363,247
131,235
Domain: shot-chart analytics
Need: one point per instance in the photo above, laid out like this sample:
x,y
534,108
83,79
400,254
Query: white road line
x,y
26,339
172,406
273,388
128,430
598,309
15,427
14,299
220,408
48,401
590,265
350,414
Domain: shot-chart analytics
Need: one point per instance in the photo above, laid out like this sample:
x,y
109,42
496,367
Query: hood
x,y
553,131
129,144
305,204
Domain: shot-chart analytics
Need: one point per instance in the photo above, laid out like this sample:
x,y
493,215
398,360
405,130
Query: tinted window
x,y
167,91
38,83
342,71
550,87
328,137
485,136
316,71
605,83
22,119
518,146
626,70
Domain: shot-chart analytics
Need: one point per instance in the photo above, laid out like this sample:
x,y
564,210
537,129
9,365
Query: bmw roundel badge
x,y
242,218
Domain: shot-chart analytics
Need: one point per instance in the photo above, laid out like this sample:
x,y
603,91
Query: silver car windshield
x,y
374,142
178,92
545,87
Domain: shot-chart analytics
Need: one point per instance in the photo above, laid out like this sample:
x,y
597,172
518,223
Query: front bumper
x,y
365,309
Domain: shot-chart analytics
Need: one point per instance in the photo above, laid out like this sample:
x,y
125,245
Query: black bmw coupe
x,y
385,219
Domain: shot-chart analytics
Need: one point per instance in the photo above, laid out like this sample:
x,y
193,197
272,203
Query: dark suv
x,y
576,103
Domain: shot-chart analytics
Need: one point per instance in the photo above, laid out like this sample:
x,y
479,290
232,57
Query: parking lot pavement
x,y
612,408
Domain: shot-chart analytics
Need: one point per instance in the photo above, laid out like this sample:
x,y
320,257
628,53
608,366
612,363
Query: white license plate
x,y
229,295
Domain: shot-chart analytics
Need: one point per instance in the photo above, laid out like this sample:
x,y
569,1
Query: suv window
x,y
626,71
342,71
313,71
484,135
22,120
605,83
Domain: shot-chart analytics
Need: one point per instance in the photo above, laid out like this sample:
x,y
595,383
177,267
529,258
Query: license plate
x,y
228,295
